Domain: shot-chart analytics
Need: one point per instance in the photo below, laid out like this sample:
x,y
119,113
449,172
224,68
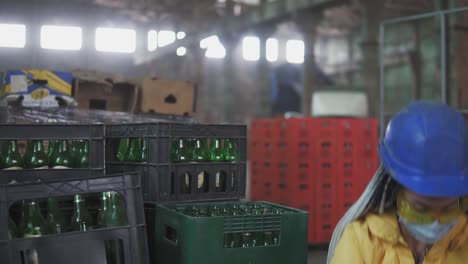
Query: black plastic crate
x,y
126,244
150,220
159,137
92,133
163,183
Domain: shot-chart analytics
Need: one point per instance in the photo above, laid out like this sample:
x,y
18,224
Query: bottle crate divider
x,y
92,133
160,136
126,244
184,182
182,239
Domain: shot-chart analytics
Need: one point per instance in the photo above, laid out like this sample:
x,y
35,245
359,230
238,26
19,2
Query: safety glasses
x,y
428,216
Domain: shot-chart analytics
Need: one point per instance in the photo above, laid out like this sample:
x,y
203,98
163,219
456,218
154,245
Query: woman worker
x,y
412,210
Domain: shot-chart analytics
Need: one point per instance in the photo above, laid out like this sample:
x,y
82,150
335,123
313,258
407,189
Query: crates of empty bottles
x,y
42,152
93,221
231,233
181,162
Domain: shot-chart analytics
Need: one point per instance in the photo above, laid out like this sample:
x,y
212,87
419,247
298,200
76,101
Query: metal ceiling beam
x,y
272,12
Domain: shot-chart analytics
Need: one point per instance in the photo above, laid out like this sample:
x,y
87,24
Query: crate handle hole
x,y
186,183
203,182
115,251
29,256
221,181
233,181
170,234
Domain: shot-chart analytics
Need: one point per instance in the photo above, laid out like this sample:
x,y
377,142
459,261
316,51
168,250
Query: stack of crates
x,y
320,165
126,244
177,237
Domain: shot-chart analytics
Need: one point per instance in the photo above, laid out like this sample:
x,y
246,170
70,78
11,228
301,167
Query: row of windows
x,y
124,41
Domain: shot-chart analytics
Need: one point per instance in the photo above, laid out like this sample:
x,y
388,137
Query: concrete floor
x,y
317,256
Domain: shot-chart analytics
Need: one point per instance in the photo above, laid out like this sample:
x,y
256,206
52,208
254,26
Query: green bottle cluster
x,y
58,155
239,239
32,223
251,239
132,150
231,209
185,150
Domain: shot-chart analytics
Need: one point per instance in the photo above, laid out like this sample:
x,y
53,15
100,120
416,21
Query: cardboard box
x,y
101,91
37,88
168,97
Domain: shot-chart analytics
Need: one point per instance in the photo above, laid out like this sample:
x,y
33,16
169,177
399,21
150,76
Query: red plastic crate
x,y
325,221
263,129
295,129
296,151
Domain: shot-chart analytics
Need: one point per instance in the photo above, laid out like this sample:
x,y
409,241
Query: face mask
x,y
428,233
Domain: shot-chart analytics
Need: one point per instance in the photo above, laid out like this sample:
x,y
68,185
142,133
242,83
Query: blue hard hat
x,y
425,149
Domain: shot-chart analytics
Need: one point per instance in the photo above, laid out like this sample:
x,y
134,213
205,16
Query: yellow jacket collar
x,y
385,226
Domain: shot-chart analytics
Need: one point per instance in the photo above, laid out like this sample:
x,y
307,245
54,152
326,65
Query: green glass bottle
x,y
51,148
38,159
74,153
175,151
134,151
144,150
230,151
11,159
28,154
12,230
81,220
216,151
55,220
117,213
269,239
34,224
200,151
122,149
183,152
83,156
236,240
247,240
61,156
227,240
104,210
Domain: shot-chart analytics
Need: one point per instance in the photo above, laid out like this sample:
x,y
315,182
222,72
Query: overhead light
x,y
251,48
181,51
272,47
295,50
152,40
61,38
166,37
204,43
115,40
181,35
13,35
214,47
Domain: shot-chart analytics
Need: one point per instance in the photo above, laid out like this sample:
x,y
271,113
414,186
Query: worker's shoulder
x,y
383,226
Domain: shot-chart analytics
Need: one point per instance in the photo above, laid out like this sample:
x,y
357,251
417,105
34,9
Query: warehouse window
x,y
181,51
115,40
181,35
271,49
16,35
251,48
166,37
214,47
152,40
61,38
295,51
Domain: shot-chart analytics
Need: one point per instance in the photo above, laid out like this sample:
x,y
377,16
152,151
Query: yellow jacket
x,y
377,240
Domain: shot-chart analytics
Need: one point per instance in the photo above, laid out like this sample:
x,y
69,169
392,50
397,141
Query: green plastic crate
x,y
184,239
